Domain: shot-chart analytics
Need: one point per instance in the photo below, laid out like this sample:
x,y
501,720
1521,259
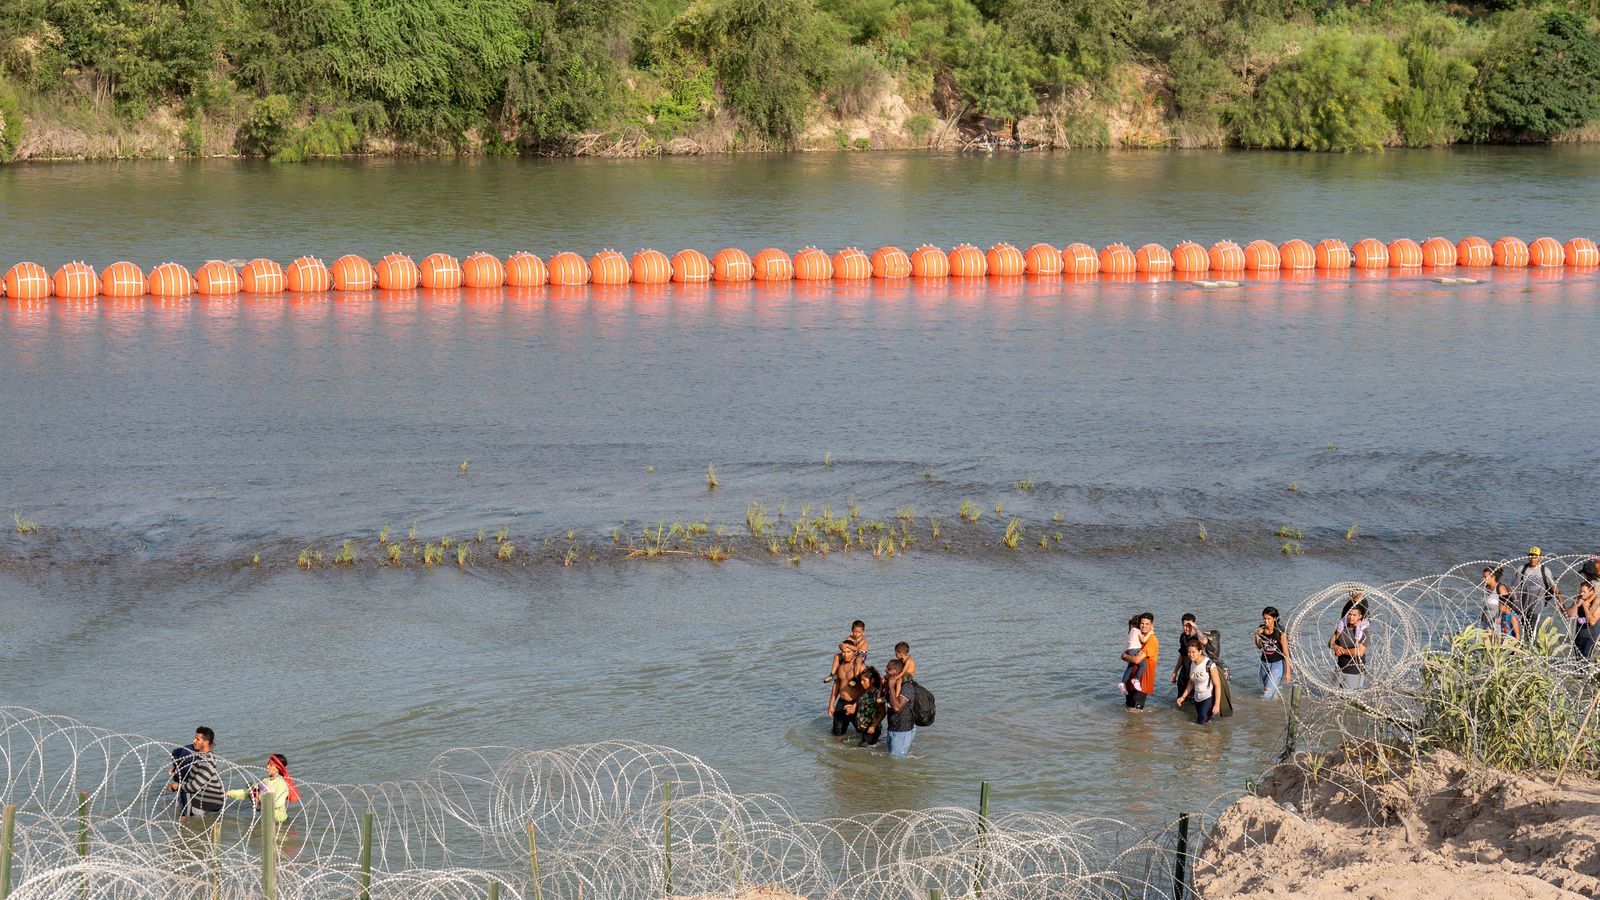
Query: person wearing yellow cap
x,y
1535,588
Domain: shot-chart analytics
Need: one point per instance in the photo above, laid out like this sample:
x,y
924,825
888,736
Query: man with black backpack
x,y
902,696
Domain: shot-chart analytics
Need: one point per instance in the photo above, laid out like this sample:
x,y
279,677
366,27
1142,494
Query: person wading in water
x,y
1149,652
846,687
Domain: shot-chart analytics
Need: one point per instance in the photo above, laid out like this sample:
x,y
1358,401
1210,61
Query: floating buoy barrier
x,y
967,261
648,267
732,266
353,273
568,269
122,280
1004,261
690,267
772,264
1042,260
439,271
307,275
1474,253
1226,256
1260,260
397,272
482,270
76,281
929,261
1079,260
261,276
1370,253
170,280
1404,253
1331,255
1117,259
890,262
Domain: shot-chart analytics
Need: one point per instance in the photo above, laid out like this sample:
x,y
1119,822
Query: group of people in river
x,y
193,776
1513,604
877,705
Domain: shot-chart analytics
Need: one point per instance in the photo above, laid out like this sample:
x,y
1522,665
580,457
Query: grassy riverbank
x,y
296,79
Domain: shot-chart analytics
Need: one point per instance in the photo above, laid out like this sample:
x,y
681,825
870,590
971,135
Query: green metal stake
x,y
935,894
666,819
8,837
365,860
533,858
494,889
1181,858
1293,734
269,845
983,838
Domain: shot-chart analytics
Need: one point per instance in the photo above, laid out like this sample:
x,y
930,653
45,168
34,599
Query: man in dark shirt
x,y
901,693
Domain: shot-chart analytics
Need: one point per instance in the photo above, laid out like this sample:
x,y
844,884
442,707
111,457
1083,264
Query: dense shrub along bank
x,y
293,79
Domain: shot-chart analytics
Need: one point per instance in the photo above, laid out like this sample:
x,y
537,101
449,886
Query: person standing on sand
x,y
1349,645
900,695
1148,655
1276,669
846,687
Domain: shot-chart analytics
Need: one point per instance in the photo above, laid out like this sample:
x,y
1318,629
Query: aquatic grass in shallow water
x,y
1289,531
1013,534
970,512
505,551
463,556
394,554
346,555
1350,534
1025,485
22,525
432,555
711,477
383,535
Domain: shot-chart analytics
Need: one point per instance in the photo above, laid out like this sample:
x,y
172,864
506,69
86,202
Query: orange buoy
x,y
1190,258
307,275
122,279
1117,259
568,269
261,276
1042,259
1152,259
28,281
606,267
929,261
1331,254
1370,253
1079,259
1509,251
523,269
690,267
1295,255
353,273
1474,252
482,270
890,262
1542,253
772,264
732,265
1004,261
1438,253
397,272
811,264
651,267
77,281
170,280
216,279
1404,253
439,271
1226,256
851,264
1581,252
1262,255
967,261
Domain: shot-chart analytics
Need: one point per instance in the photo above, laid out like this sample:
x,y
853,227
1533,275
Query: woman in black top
x,y
1274,646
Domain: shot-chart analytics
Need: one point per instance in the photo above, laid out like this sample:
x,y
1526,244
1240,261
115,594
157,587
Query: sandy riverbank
x,y
1355,829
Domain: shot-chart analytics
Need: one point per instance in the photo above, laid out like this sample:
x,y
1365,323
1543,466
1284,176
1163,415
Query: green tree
x,y
997,75
1541,76
1331,96
1432,110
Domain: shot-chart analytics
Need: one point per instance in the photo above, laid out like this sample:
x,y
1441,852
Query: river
x,y
1397,424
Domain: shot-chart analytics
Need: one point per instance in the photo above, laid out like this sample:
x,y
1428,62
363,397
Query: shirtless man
x,y
846,687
